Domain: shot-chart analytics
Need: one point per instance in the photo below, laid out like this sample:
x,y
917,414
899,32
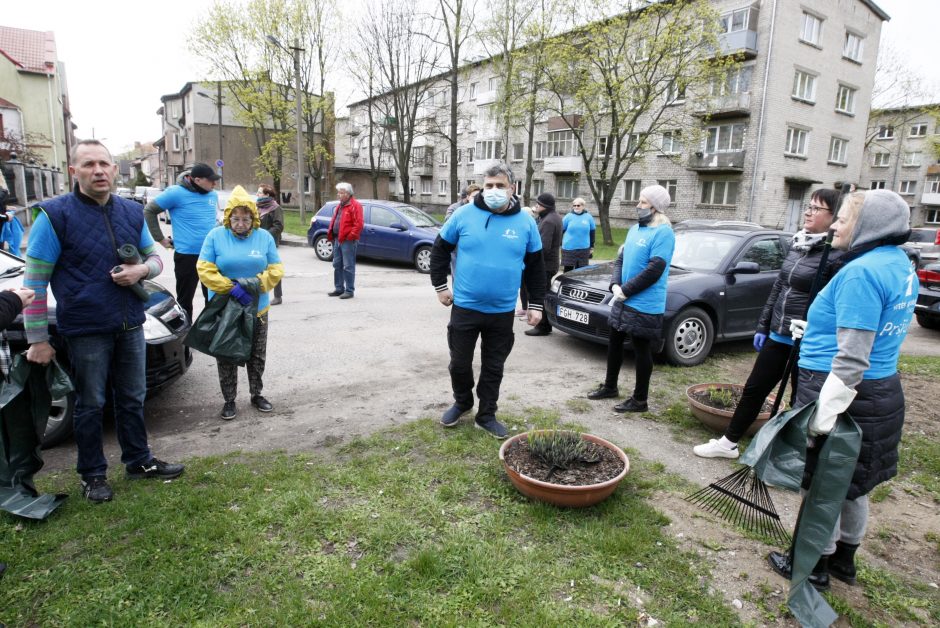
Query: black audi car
x,y
927,309
721,275
164,329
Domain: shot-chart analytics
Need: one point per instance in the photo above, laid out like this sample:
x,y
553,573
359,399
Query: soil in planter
x,y
704,397
609,465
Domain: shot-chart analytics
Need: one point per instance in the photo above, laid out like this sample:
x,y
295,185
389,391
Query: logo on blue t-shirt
x,y
510,234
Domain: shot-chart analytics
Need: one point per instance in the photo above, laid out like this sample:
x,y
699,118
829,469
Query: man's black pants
x,y
187,279
497,340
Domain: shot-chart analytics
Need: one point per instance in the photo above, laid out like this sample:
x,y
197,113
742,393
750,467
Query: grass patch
x,y
919,365
609,251
414,526
880,493
292,222
920,462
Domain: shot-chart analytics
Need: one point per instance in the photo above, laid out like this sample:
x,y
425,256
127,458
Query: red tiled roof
x,y
6,103
33,51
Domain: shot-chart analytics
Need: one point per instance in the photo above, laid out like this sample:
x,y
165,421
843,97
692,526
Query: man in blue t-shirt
x,y
499,246
192,205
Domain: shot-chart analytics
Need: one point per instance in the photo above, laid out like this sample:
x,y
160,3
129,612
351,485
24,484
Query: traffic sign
x,y
219,163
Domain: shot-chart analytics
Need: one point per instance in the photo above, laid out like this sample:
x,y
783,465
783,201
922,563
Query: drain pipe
x,y
763,105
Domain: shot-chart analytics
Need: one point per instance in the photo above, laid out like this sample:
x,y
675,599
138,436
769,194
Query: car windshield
x,y
927,236
701,250
416,216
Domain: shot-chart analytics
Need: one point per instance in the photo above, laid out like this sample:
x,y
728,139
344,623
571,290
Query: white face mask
x,y
495,197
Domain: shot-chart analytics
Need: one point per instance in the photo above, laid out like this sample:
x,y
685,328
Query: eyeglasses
x,y
814,209
577,205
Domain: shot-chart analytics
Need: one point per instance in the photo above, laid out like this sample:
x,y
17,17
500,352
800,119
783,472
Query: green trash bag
x,y
224,329
25,398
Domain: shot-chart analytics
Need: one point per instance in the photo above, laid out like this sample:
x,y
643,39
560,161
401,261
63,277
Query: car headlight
x,y
154,329
555,287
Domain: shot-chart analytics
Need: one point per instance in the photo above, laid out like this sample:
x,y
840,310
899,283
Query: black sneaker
x,y
261,403
452,415
155,469
346,295
335,293
489,423
97,490
631,405
228,411
603,392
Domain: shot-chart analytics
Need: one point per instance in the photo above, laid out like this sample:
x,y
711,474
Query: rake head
x,y
743,500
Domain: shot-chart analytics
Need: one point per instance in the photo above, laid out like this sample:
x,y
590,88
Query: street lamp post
x,y
217,101
301,162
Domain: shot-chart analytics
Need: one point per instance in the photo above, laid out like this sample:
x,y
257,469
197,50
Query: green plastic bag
x,y
224,329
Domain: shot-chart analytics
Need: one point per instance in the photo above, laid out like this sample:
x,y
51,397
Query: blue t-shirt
x,y
641,245
44,243
875,292
577,229
193,216
784,340
491,250
240,259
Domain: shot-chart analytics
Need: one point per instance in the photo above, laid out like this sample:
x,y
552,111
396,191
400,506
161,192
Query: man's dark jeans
x,y
122,356
187,280
497,339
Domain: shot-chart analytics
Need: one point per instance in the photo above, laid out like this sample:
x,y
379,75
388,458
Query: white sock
x,y
727,444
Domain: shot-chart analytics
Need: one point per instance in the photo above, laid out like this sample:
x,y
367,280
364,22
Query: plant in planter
x,y
714,404
563,467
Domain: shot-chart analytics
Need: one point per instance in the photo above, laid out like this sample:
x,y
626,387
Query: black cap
x,y
204,171
546,200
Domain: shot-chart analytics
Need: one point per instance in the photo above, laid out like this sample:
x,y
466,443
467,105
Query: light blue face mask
x,y
495,197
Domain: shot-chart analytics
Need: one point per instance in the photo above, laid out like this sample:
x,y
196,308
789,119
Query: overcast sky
x,y
120,59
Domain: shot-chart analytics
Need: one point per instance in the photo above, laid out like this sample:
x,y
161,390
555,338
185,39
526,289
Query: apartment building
x,y
902,156
790,119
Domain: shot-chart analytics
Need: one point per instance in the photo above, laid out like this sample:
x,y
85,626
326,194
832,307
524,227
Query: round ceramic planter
x,y
717,419
559,494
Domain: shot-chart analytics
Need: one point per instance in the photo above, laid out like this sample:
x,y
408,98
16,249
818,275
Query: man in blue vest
x,y
193,205
73,243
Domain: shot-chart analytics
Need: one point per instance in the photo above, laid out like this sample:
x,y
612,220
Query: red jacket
x,y
350,225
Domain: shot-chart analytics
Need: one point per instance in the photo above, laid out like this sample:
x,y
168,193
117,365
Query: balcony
x,y
728,106
718,162
930,198
423,168
482,165
738,42
562,164
485,98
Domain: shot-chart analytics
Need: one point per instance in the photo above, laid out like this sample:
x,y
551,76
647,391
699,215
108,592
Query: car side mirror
x,y
746,268
398,225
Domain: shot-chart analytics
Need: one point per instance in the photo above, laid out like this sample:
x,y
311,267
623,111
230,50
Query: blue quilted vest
x,y
87,300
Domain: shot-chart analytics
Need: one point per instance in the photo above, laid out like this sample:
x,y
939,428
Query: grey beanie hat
x,y
658,197
883,214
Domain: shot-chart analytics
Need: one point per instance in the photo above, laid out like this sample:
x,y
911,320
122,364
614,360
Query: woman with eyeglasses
x,y
240,259
789,299
577,243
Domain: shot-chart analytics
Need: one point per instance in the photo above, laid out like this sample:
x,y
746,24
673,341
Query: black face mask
x,y
644,215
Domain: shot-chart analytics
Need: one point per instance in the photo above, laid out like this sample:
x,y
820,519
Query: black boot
x,y
819,578
842,563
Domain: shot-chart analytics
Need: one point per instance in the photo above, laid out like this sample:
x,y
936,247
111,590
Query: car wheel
x,y
59,425
689,337
423,259
928,322
323,248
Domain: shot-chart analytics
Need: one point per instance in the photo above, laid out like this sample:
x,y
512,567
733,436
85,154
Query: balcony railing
x,y
481,165
718,162
930,198
743,42
727,106
563,164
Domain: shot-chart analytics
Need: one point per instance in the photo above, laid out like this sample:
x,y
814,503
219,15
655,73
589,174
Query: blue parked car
x,y
391,230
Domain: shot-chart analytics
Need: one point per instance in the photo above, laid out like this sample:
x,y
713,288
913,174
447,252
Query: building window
x,y
725,138
907,188
459,156
845,99
675,92
796,141
719,192
738,20
880,159
442,187
804,86
445,157
425,185
810,28
838,148
932,215
473,91
176,142
912,159
490,149
538,186
919,129
518,151
567,187
308,184
561,144
932,185
672,142
853,47
469,155
671,185
540,150
631,190
493,84
732,82
885,132
878,185
635,142
603,146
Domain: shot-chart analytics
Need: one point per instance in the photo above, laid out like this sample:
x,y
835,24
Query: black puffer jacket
x,y
789,297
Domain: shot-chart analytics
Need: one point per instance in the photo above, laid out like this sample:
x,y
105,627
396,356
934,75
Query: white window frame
x,y
907,187
175,142
726,23
442,187
604,144
845,99
878,184
811,28
804,86
567,187
853,47
736,81
631,190
671,185
838,150
562,143
444,159
912,159
918,129
885,132
635,142
459,156
797,141
473,91
518,151
715,136
672,142
540,148
426,186
470,155
720,192
538,186
488,149
880,159
493,83
932,215
674,95
932,184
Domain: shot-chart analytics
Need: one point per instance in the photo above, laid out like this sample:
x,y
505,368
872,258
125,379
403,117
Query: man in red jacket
x,y
345,227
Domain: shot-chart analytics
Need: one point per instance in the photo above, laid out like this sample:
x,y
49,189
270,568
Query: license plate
x,y
573,315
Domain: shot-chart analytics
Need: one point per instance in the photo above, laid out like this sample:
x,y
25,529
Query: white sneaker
x,y
714,449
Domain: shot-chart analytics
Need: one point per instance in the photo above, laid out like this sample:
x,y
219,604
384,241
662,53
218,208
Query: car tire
x,y
928,322
323,248
422,259
689,337
59,425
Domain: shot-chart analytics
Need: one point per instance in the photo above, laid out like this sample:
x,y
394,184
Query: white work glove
x,y
618,293
797,328
834,399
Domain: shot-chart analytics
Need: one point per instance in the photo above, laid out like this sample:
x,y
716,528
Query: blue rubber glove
x,y
759,340
240,294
